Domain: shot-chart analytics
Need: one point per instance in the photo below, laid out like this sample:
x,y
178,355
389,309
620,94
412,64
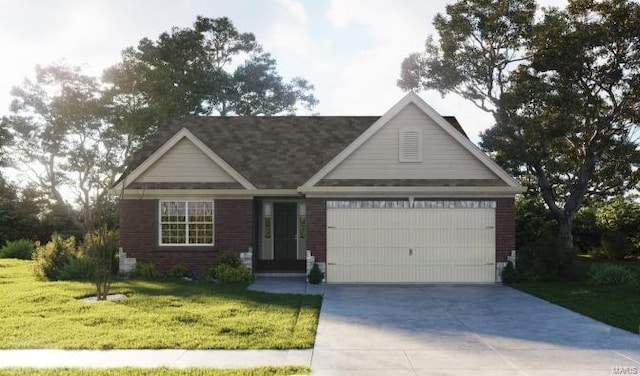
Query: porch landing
x,y
286,285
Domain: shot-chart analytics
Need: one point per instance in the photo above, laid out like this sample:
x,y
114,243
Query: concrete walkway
x,y
154,358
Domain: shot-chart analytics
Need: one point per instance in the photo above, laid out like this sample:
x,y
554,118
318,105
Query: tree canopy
x,y
207,69
563,87
73,132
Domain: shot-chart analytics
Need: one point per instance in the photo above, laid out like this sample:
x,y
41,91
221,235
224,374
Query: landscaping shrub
x,y
20,249
145,270
615,245
533,220
229,258
587,233
77,268
52,257
239,274
315,274
607,274
179,270
547,258
509,274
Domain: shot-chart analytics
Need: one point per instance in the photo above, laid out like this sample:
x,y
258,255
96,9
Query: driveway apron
x,y
462,329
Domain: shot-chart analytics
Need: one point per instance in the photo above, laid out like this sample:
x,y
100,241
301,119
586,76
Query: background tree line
x,y
72,132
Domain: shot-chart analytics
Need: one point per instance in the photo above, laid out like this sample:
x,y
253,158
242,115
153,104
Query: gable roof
x,y
279,152
412,98
269,152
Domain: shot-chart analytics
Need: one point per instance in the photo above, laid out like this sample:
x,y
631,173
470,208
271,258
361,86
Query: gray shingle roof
x,y
271,152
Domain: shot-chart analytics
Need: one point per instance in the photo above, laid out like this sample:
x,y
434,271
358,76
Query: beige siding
x,y
185,163
442,156
411,245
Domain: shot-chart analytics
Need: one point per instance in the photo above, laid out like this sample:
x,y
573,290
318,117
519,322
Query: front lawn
x,y
615,305
262,371
156,315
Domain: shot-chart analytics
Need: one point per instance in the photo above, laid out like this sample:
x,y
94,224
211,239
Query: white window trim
x,y
401,144
186,201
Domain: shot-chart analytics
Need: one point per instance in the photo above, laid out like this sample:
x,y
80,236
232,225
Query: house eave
x,y
217,193
411,191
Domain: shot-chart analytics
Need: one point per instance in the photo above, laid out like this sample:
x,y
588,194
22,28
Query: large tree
x,y
209,68
564,91
61,137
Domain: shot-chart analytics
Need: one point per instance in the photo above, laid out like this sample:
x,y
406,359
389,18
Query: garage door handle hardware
x,y
331,263
489,227
410,252
331,226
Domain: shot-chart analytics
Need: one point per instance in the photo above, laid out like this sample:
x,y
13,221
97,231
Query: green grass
x,y
266,371
156,315
615,305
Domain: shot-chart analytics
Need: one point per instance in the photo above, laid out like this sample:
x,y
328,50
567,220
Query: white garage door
x,y
428,244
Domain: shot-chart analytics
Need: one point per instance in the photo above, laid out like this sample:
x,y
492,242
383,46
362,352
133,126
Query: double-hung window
x,y
186,222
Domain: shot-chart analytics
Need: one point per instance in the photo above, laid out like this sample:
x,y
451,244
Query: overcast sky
x,y
350,50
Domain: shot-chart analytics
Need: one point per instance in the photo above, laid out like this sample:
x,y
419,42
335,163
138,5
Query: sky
x,y
350,50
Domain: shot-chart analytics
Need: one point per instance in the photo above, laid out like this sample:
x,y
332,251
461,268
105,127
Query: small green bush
x,y
606,274
179,270
20,249
229,258
547,258
315,275
240,274
145,270
509,274
615,245
52,257
78,268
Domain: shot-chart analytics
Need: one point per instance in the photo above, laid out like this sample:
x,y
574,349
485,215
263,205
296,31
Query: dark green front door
x,y
285,229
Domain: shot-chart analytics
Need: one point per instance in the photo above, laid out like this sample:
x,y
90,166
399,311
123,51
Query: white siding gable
x,y
381,157
185,162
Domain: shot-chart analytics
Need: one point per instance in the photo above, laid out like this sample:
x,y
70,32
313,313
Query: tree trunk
x,y
565,225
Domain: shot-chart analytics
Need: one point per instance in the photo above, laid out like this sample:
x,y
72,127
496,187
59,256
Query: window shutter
x,y
410,148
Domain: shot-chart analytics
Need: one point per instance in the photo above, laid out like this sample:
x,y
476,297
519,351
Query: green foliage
x,y
586,231
607,274
77,268
179,270
315,274
229,258
615,245
228,74
509,274
547,258
533,220
145,270
20,249
52,257
101,246
239,274
617,218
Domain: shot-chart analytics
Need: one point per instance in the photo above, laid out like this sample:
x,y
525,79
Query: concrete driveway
x,y
462,330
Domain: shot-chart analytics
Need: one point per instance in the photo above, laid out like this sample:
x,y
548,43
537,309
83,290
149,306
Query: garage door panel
x,y
410,245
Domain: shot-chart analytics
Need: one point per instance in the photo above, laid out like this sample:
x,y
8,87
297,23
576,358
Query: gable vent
x,y
410,145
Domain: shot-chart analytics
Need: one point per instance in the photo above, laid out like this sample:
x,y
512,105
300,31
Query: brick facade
x,y
317,228
139,236
317,225
505,228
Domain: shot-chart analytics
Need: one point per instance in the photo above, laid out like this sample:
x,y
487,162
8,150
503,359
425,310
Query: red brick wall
x,y
505,228
317,224
139,234
317,228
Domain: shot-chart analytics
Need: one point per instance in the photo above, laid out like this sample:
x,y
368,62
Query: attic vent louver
x,y
410,145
